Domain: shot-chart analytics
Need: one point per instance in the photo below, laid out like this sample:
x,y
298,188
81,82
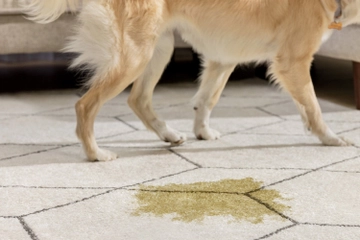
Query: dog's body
x,y
131,41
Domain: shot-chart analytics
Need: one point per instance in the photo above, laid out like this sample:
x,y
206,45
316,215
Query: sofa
x,y
19,35
345,45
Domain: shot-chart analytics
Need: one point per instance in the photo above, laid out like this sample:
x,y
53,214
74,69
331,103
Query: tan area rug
x,y
265,179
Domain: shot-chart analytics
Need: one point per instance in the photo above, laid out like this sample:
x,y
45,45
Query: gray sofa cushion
x,y
11,6
19,35
343,44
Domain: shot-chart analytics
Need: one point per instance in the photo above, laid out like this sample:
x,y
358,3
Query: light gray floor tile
x,y
11,229
53,129
353,136
249,102
253,88
297,128
30,103
108,110
345,116
318,233
323,197
271,140
133,166
239,113
307,157
348,166
25,201
289,108
336,116
49,155
9,116
9,151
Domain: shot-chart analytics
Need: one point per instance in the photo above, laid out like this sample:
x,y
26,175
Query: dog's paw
x,y
206,133
103,155
173,136
335,141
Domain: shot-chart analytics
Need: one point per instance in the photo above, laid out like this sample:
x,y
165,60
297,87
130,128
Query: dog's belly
x,y
227,47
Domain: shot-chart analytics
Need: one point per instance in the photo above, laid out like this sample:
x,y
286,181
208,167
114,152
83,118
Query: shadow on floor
x,y
333,79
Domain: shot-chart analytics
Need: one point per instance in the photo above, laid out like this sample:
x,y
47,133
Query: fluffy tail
x,y
46,11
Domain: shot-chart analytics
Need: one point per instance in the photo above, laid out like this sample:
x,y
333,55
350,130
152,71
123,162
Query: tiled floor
x,y
49,191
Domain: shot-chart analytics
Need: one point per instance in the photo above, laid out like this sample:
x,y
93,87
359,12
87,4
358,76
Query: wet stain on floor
x,y
194,202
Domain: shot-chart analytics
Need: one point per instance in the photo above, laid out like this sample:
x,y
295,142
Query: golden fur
x,y
131,41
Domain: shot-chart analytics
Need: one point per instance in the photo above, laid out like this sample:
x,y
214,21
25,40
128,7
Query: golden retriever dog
x,y
131,41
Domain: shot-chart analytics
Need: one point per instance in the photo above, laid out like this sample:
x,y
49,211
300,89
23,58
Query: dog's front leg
x,y
213,81
295,77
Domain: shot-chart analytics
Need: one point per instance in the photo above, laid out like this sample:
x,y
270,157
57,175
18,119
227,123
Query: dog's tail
x,y
46,11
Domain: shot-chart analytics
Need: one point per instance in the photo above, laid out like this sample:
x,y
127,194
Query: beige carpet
x,y
265,179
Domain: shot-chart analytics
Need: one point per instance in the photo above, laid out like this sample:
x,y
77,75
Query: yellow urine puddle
x,y
194,202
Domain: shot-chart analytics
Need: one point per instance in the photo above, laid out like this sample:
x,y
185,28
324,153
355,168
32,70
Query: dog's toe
x,y
207,134
174,137
103,155
347,142
336,141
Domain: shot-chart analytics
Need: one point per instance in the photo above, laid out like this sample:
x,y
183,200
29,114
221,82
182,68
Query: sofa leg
x,y
356,67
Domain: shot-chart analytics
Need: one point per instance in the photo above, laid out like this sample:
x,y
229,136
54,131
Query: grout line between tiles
x,y
45,187
16,117
282,169
347,131
270,113
332,225
270,208
277,231
303,174
170,175
250,168
26,227
36,152
115,135
278,103
9,217
40,113
126,123
124,115
52,110
268,134
340,121
225,95
184,158
340,171
252,128
184,191
31,144
68,204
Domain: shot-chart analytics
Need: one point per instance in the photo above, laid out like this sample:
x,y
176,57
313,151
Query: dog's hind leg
x,y
213,81
89,105
293,74
140,99
117,40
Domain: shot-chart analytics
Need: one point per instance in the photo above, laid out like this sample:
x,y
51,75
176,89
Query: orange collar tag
x,y
336,25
